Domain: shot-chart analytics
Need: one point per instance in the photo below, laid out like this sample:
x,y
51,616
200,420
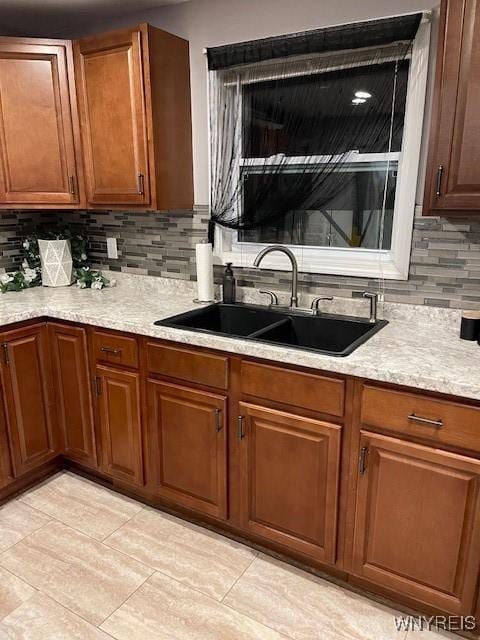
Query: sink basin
x,y
231,319
335,335
329,334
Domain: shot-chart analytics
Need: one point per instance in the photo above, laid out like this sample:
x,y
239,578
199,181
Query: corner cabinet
x,y
417,524
453,172
73,392
134,102
39,132
29,402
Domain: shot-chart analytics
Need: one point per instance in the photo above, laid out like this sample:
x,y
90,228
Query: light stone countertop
x,y
419,347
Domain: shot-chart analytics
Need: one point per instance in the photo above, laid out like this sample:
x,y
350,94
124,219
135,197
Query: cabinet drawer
x,y
304,390
440,421
186,364
115,349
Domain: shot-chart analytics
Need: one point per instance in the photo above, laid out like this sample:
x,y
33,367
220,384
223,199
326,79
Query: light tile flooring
x,y
79,561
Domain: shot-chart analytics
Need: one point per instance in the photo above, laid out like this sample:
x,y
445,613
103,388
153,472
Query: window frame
x,y
391,264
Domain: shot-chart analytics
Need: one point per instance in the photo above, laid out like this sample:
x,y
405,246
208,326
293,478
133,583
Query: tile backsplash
x,y
444,267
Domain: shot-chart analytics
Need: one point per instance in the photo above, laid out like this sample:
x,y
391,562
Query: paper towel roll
x,y
204,272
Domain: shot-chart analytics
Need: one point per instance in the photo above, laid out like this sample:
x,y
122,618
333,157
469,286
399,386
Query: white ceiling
x,y
66,18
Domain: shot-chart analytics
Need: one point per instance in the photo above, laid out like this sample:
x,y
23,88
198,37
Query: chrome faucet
x,y
289,254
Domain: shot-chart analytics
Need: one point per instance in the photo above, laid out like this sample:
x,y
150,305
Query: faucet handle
x,y
273,297
315,301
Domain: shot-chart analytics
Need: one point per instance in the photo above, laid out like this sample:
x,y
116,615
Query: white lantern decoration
x,y
57,264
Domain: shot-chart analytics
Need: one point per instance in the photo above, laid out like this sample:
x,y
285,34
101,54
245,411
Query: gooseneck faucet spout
x,y
293,261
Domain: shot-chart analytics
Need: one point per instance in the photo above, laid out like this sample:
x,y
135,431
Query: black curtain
x,y
321,109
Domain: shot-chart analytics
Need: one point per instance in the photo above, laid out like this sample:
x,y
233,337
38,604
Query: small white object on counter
x,y
57,264
204,257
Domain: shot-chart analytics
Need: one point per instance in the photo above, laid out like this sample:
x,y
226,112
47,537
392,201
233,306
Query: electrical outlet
x,y
112,249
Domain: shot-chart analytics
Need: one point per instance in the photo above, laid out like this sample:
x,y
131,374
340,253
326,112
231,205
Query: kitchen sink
x,y
325,333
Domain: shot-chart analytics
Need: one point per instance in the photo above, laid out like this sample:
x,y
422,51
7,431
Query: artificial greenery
x,y
30,275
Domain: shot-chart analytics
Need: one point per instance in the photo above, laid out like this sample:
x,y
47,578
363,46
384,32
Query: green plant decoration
x,y
30,275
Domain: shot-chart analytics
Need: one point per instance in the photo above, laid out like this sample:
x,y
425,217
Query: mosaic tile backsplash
x,y
444,268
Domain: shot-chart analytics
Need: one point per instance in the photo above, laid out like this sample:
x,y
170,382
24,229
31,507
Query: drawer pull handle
x,y
438,188
141,184
113,352
433,423
240,428
218,420
362,461
71,185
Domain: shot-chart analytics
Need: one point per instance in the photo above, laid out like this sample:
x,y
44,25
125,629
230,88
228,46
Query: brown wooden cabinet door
x,y
453,182
6,472
290,472
118,395
27,376
112,112
73,392
37,147
188,431
417,524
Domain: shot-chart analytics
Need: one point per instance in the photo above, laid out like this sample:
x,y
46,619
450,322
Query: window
x,y
365,227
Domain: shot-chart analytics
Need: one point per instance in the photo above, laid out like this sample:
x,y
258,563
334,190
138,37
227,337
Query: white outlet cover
x,y
112,249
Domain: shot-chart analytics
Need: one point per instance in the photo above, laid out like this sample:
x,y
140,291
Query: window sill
x,y
361,263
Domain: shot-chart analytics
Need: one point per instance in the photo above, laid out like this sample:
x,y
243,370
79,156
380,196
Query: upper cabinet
x,y
453,174
39,135
134,103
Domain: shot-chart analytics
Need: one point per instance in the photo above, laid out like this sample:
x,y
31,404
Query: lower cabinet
x,y
413,527
188,429
417,524
29,403
289,477
118,403
73,392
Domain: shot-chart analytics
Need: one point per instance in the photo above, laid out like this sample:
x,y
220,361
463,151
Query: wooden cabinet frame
x,y
453,188
70,195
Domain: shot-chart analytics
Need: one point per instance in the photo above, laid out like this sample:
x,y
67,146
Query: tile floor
x,y
79,561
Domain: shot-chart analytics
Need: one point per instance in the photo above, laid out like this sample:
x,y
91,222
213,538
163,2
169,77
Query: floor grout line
x,y
105,538
125,601
23,539
240,576
67,608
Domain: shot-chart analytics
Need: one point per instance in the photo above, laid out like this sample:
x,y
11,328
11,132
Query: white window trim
x,y
392,264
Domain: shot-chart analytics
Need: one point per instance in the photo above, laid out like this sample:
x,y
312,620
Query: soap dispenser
x,y
229,285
